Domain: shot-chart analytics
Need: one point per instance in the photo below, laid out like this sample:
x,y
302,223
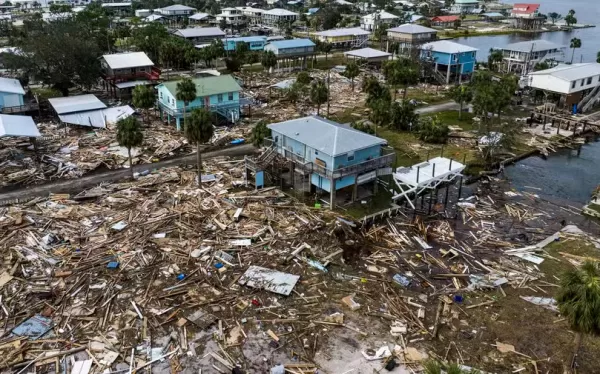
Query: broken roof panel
x,y
268,279
98,118
73,104
12,125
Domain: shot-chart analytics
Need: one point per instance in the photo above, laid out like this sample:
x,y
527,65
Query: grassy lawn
x,y
428,97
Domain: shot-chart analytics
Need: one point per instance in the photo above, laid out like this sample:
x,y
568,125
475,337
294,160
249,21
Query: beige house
x,y
410,35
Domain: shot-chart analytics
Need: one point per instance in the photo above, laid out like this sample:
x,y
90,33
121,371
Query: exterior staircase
x,y
589,100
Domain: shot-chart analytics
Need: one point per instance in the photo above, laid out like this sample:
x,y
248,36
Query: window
x,y
350,156
230,96
160,95
573,85
220,98
589,80
317,153
582,82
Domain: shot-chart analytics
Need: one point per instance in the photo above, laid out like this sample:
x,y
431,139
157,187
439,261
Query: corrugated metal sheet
x,y
127,60
196,32
11,125
73,104
11,85
270,280
98,118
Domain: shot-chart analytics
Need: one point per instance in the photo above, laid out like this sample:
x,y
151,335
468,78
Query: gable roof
x,y
343,32
382,15
247,39
12,125
199,16
127,60
446,46
408,28
445,18
333,138
367,53
280,12
207,86
292,43
195,32
11,85
572,72
177,7
153,17
532,46
524,8
72,104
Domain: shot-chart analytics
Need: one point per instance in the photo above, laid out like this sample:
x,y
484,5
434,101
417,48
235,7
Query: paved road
x,y
451,105
76,185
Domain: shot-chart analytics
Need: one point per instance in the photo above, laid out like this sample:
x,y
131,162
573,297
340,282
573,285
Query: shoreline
x,y
511,32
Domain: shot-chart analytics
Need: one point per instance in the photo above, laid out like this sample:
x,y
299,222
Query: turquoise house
x,y
220,95
333,156
11,93
453,60
255,43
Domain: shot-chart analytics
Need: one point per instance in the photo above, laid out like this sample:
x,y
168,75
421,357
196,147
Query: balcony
x,y
153,75
309,167
21,108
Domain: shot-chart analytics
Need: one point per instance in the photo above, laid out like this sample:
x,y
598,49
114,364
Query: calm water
x,y
586,11
562,176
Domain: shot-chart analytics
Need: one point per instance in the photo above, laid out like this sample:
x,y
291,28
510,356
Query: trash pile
x,y
75,151
157,272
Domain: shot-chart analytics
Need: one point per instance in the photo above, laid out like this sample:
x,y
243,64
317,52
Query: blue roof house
x,y
292,49
220,95
11,93
455,61
335,157
255,43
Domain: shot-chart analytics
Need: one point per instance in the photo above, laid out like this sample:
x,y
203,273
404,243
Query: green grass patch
x,y
46,92
450,118
428,97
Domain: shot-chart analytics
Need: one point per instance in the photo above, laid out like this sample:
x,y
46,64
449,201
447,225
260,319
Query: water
x,y
563,176
586,12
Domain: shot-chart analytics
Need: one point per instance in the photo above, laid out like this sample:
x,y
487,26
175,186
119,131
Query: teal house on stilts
x,y
220,95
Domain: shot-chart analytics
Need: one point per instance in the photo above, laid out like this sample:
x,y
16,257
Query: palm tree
x,y
143,97
578,301
352,72
319,94
575,43
198,131
494,57
462,94
129,135
186,92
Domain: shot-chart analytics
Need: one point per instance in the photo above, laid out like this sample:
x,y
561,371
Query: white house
x,y
372,21
353,37
253,15
177,10
231,16
576,82
273,17
464,6
521,57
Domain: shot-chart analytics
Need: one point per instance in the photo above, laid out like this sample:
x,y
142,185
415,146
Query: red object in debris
x,y
255,302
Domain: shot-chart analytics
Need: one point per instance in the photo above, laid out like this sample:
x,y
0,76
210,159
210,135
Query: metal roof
x,y
383,15
247,39
115,5
72,104
343,32
493,14
153,17
446,46
408,28
367,53
11,85
132,84
177,7
195,32
532,46
292,43
127,60
280,12
572,72
98,118
207,86
199,16
326,136
11,125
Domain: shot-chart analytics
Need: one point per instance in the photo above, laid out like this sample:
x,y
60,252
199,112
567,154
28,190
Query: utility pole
x,y
328,93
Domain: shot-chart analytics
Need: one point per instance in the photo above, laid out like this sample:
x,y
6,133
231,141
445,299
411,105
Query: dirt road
x,y
74,185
